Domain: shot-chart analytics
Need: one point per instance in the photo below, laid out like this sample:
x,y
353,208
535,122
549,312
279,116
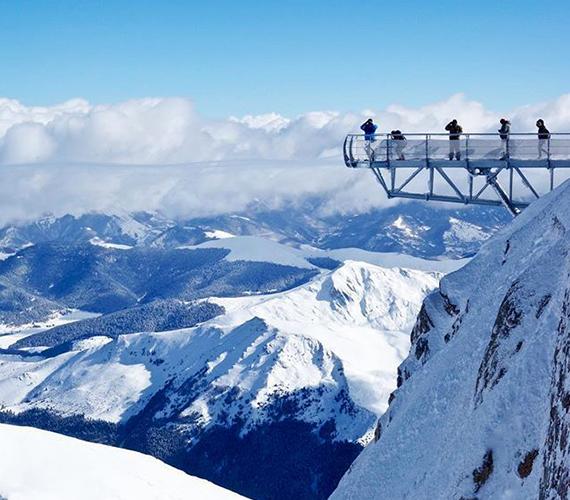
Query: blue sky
x,y
239,57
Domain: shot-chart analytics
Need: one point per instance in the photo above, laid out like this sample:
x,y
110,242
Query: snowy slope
x,y
360,312
359,315
302,374
40,465
9,334
482,410
258,249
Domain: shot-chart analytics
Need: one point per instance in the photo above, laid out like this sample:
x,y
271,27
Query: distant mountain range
x,y
82,263
48,277
418,229
236,347
287,384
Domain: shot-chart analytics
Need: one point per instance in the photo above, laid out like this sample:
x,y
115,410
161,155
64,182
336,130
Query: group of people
x,y
369,128
455,130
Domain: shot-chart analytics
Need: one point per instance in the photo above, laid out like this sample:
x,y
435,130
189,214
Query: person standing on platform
x,y
369,129
399,142
543,138
455,132
504,133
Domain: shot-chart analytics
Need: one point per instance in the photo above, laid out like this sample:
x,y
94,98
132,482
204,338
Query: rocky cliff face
x,y
482,405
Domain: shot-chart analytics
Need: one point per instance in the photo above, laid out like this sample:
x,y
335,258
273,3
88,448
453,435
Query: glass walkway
x,y
480,169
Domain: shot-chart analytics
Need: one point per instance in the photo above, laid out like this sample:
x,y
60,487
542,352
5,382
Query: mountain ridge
x,y
484,387
411,228
295,368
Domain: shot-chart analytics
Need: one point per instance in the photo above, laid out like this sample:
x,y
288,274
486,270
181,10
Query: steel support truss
x,y
491,193
492,178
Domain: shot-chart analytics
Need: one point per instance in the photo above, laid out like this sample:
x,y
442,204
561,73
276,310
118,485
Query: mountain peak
x,y
377,295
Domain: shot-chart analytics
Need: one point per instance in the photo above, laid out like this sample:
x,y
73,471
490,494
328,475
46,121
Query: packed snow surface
x,y
10,334
218,234
105,244
40,465
257,249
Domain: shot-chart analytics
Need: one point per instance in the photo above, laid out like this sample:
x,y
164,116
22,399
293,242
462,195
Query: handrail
x,y
462,134
385,150
465,170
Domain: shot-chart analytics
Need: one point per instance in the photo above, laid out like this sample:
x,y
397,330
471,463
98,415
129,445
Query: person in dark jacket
x,y
455,132
399,143
543,138
504,133
369,129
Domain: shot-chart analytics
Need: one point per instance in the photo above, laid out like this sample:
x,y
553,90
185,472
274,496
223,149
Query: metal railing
x,y
481,169
527,147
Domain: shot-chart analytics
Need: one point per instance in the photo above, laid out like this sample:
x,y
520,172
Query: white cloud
x,y
270,121
166,131
76,157
26,142
29,191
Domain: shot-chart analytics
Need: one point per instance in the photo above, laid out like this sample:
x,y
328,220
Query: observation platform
x,y
485,170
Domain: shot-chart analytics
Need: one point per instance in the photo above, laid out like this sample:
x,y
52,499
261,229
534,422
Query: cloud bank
x,y
163,131
160,154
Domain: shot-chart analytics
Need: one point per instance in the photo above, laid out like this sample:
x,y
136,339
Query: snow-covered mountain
x,y
46,278
287,385
482,410
410,228
40,465
236,347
